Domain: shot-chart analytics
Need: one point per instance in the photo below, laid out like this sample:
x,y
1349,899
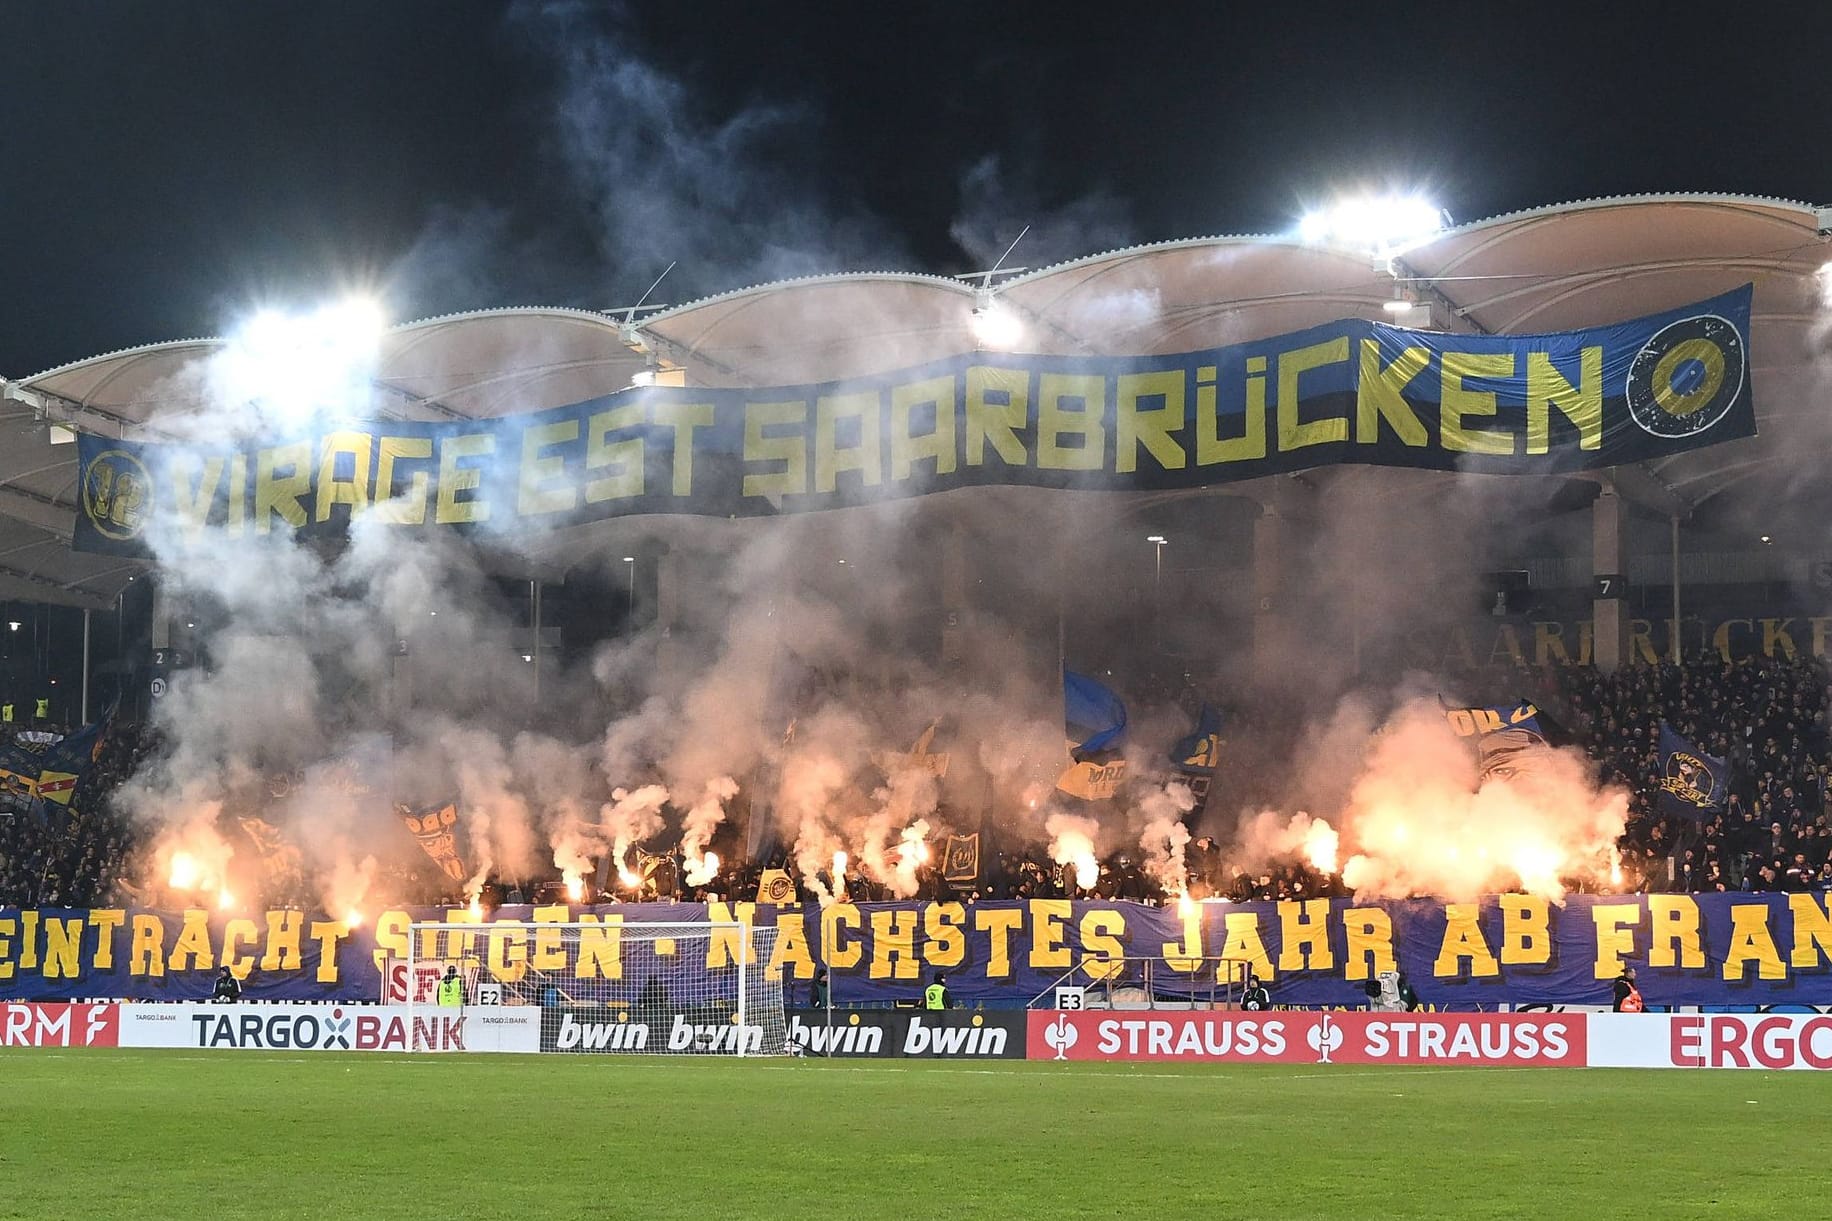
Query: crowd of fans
x,y
1766,717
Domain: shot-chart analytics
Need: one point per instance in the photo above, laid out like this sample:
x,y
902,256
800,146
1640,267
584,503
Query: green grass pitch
x,y
103,1134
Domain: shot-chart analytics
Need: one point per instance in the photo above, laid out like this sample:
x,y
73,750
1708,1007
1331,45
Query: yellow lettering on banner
x,y
1507,642
1675,938
791,947
998,405
1054,421
1368,938
1720,639
790,449
284,932
146,950
507,953
235,933
1243,942
1151,427
194,500
549,954
1184,955
327,933
543,486
7,930
893,944
1751,941
1456,402
1776,641
944,934
1293,432
1526,930
1615,936
192,950
1463,941
238,494
392,937
407,508
625,457
1581,404
1102,944
1049,927
1304,936
63,947
725,944
1812,931
600,948
684,419
1820,623
1382,395
460,944
938,443
999,923
332,490
28,940
1549,644
830,457
454,478
1641,642
106,920
1211,448
281,494
838,920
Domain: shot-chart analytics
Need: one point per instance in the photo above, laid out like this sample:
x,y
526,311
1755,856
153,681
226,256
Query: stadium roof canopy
x,y
1545,269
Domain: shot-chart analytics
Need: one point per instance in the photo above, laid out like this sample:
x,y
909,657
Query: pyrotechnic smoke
x,y
697,830
1165,836
1416,822
1072,840
630,818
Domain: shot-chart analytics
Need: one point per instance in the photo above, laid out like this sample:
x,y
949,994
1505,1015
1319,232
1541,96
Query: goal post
x,y
680,987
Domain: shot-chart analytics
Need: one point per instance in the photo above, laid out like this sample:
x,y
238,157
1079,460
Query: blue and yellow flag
x,y
66,763
1093,716
1199,752
1693,784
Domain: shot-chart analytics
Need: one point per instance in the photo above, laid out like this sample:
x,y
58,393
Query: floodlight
x,y
1377,223
644,378
296,365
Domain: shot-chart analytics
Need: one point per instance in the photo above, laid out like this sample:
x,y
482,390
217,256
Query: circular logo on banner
x,y
158,688
1686,377
117,492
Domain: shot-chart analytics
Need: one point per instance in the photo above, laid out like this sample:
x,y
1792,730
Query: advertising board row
x,y
1303,1037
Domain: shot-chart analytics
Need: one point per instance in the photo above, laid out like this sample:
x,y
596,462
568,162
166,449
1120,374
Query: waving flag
x,y
1692,783
1093,715
1200,751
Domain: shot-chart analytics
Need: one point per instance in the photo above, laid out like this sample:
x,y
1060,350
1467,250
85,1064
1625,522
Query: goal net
x,y
683,988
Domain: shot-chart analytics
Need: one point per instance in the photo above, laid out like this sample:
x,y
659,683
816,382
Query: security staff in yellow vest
x,y
6,713
44,710
451,990
935,996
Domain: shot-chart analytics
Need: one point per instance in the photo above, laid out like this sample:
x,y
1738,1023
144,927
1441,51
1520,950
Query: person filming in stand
x,y
228,989
1628,996
451,990
935,996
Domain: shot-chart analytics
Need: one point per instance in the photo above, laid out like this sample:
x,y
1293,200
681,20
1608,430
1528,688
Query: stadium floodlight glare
x,y
643,379
1376,223
15,625
1156,538
996,327
297,365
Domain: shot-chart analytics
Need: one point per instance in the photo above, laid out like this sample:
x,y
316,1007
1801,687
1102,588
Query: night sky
x,y
168,165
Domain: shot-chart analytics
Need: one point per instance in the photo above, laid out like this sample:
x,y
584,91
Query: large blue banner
x,y
1711,950
1352,391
